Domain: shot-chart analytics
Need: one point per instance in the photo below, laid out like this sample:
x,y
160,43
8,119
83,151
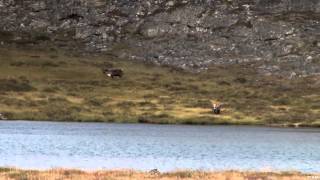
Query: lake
x,y
89,146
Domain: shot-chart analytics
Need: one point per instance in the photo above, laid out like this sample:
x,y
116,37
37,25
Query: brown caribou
x,y
216,108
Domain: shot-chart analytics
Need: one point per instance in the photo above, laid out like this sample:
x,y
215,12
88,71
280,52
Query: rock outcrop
x,y
284,35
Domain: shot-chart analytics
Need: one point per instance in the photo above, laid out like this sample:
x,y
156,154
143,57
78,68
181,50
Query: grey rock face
x,y
190,34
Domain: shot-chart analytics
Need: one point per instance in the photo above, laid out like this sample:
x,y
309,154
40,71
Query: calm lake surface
x,y
89,146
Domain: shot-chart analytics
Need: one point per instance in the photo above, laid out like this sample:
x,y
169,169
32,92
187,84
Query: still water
x,y
89,146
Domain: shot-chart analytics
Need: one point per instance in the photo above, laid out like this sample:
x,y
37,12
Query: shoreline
x,y
293,125
14,173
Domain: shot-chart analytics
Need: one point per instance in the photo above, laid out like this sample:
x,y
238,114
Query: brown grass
x,y
46,84
54,174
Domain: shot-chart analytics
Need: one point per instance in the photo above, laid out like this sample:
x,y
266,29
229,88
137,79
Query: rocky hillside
x,y
274,36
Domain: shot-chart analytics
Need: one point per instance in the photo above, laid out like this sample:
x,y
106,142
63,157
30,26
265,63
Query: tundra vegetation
x,y
16,174
51,84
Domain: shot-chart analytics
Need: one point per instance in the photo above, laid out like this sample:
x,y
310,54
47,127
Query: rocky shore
x,y
274,36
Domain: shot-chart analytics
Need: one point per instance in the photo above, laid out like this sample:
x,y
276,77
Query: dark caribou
x,y
113,72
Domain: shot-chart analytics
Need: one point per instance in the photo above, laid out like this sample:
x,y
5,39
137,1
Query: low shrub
x,y
223,83
199,103
6,36
147,104
95,102
16,85
34,63
126,104
56,112
42,37
51,89
240,80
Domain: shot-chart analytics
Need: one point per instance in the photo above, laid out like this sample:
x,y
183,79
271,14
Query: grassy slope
x,y
8,174
54,85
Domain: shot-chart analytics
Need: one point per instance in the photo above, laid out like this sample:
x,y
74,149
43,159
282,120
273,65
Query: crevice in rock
x,y
72,16
271,39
